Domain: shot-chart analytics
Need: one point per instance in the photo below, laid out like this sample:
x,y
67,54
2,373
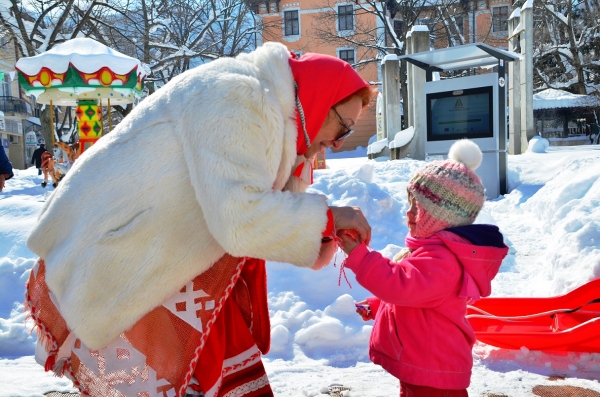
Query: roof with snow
x,y
559,99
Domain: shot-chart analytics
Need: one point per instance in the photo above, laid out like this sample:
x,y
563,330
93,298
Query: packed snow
x,y
550,220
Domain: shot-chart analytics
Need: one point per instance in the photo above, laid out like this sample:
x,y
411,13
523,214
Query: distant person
x,y
595,136
36,158
588,131
421,335
6,171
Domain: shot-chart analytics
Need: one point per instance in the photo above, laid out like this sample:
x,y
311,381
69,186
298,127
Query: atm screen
x,y
460,114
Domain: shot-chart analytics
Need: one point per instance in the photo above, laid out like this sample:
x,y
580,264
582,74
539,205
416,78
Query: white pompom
x,y
466,152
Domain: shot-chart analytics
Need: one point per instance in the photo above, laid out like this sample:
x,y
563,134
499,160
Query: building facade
x,y
295,22
18,121
484,21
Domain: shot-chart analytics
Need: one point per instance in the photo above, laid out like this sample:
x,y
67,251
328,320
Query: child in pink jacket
x,y
421,335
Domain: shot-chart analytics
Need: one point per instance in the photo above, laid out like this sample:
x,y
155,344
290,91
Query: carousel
x,y
87,75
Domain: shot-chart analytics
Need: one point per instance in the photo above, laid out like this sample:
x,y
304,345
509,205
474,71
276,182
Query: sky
x,y
550,220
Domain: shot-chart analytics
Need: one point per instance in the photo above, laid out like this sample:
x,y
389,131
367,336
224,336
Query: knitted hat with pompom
x,y
448,193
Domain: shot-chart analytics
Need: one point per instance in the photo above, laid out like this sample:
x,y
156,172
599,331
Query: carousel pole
x,y
52,123
109,117
101,118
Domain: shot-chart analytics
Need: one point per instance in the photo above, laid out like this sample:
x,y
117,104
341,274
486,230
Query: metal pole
x,y
101,118
52,123
502,156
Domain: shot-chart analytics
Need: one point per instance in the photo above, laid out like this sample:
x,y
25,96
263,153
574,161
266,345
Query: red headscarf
x,y
322,82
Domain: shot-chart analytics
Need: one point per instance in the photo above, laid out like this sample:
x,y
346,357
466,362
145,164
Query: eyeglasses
x,y
349,131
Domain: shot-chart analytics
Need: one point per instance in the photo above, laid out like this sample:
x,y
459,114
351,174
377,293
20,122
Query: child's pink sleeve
x,y
403,283
374,303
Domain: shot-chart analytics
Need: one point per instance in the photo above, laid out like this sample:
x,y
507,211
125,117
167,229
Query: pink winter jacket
x,y
421,335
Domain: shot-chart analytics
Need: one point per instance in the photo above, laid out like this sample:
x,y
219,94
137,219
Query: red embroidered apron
x,y
207,337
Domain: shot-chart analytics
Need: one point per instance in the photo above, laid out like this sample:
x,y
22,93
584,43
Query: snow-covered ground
x,y
550,220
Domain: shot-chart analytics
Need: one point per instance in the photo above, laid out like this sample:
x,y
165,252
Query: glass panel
x,y
347,55
500,19
398,28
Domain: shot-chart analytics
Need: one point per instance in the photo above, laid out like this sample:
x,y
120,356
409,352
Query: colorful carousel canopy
x,y
81,69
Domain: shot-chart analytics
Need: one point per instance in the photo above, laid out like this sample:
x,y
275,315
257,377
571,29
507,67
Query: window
x,y
398,28
500,19
5,86
346,17
273,7
347,55
263,8
14,126
460,24
4,43
8,126
430,23
292,23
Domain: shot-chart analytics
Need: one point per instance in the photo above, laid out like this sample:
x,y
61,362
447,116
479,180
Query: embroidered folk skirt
x,y
205,340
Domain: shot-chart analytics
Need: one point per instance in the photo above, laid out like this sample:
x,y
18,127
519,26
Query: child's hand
x,y
364,309
349,239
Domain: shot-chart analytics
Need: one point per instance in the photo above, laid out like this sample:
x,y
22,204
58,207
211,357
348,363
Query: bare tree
x,y
38,25
566,45
236,30
172,36
167,36
381,26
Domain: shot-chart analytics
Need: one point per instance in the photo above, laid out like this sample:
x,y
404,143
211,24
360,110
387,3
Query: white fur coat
x,y
198,169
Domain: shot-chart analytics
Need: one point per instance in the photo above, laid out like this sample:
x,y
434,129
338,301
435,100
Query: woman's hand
x,y
352,218
349,239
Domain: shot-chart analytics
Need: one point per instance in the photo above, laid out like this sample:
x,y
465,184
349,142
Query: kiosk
x,y
467,108
472,107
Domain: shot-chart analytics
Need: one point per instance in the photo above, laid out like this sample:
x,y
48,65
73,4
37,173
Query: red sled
x,y
569,322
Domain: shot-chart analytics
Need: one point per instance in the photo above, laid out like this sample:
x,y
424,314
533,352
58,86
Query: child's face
x,y
411,215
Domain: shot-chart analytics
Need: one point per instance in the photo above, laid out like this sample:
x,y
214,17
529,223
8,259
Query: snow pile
x,y
402,137
550,221
537,144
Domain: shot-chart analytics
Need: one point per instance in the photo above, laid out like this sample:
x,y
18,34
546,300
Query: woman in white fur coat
x,y
130,235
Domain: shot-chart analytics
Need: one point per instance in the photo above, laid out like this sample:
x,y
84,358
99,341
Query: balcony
x,y
9,104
